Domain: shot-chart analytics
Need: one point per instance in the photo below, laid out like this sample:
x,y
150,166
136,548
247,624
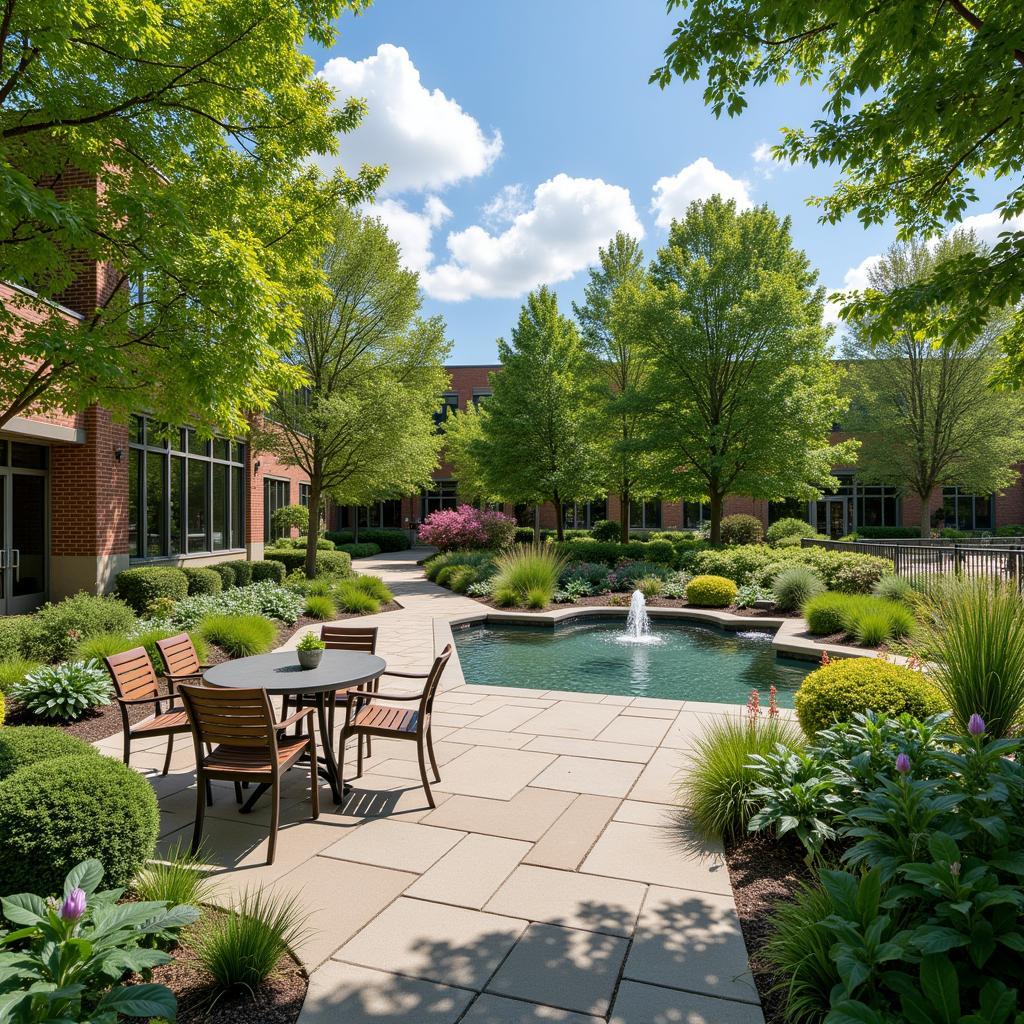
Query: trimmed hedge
x,y
269,569
326,561
386,538
243,572
22,745
838,691
359,550
606,530
141,586
608,552
710,592
226,572
203,580
758,563
56,813
884,532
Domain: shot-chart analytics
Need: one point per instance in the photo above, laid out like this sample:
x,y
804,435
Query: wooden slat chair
x,y
135,682
247,745
181,663
374,719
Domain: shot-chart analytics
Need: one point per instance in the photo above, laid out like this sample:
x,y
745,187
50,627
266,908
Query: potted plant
x,y
311,650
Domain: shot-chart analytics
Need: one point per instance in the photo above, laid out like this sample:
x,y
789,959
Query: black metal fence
x,y
923,560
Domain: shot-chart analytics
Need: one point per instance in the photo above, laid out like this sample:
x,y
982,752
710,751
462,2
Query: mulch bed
x,y
764,872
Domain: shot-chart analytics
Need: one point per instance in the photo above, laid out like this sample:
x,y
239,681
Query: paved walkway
x,y
554,881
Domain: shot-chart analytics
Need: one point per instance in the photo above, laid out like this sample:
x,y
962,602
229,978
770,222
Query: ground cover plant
x,y
64,692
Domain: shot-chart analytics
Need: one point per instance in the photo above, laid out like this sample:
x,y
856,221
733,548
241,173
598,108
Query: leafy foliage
x,y
64,692
53,632
203,580
788,527
467,527
266,598
710,591
742,529
22,745
290,517
141,586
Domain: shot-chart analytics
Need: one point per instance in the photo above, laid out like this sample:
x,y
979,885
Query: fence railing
x,y
921,561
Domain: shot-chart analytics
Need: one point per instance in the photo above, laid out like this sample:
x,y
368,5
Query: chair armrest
x,y
396,696
184,675
147,700
407,675
292,719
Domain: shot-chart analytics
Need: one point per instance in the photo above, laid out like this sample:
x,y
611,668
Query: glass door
x,y
833,516
23,546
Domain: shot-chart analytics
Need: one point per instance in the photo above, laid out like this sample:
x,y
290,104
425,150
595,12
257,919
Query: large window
x,y
442,495
962,511
449,404
304,495
877,505
645,515
695,514
583,514
185,494
276,494
387,514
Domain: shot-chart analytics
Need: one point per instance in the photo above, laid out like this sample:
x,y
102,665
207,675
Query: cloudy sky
x,y
521,136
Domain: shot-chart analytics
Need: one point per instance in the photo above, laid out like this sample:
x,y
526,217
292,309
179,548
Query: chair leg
x,y
209,792
170,750
423,771
127,745
359,756
314,776
202,784
342,743
275,814
433,760
238,792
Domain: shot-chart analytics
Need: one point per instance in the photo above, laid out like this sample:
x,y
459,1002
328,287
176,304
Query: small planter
x,y
310,659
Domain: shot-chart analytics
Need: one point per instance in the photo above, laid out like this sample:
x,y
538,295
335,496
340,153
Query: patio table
x,y
280,674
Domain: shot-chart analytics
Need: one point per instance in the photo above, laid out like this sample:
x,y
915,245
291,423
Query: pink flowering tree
x,y
467,527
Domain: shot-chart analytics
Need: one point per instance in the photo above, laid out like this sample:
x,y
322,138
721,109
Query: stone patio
x,y
554,882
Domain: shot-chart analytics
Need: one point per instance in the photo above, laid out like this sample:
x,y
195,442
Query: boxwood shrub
x,y
359,550
22,745
141,586
58,812
203,580
610,552
742,529
227,574
710,591
789,527
272,569
243,572
56,629
837,691
339,562
387,539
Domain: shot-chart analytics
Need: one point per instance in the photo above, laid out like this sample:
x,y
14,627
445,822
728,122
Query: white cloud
x,y
553,240
412,231
426,139
763,154
988,226
700,180
505,206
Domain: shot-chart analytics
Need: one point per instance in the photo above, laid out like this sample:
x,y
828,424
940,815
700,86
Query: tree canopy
x,y
362,429
924,407
742,391
920,100
199,119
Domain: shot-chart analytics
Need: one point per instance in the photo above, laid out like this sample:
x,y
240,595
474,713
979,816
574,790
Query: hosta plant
x,y
65,959
64,692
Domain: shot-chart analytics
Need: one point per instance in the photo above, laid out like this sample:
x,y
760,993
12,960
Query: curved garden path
x,y
554,882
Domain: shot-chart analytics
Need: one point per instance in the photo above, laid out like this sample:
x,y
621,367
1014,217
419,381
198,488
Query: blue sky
x,y
522,135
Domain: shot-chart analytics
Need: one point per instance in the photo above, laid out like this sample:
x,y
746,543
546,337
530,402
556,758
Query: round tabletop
x,y
281,673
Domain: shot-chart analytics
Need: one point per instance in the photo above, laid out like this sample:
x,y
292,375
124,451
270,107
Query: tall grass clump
x,y
795,586
242,948
527,576
972,634
241,636
375,587
351,598
717,792
319,606
179,878
895,588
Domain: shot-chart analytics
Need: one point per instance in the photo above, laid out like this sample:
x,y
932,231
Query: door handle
x,y
16,564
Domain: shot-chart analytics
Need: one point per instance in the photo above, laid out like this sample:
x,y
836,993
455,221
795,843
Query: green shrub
x,y
177,877
605,530
351,598
64,692
795,586
461,577
858,577
22,745
12,630
584,550
58,812
710,592
837,691
272,569
444,575
140,587
242,947
433,566
243,572
528,574
375,587
741,529
386,538
322,544
56,629
895,588
973,633
883,532
319,606
290,517
14,670
826,613
3,708
878,621
327,562
717,792
203,580
240,636
227,574
650,586
789,527
361,550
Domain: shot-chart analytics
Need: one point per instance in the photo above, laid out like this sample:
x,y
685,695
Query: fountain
x,y
638,623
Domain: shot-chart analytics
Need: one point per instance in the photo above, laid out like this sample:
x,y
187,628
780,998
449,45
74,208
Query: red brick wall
x,y
269,465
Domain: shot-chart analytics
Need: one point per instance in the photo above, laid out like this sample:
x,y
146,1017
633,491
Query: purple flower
x,y
902,764
976,726
74,906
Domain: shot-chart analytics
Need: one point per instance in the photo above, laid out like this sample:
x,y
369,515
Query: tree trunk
x,y
313,530
624,515
926,515
536,523
355,523
716,503
559,526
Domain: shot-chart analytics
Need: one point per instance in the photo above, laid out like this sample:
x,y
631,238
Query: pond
x,y
679,661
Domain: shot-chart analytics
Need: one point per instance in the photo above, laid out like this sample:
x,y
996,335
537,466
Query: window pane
x,y
221,448
177,505
28,456
238,451
134,501
198,493
237,507
156,504
219,524
983,513
196,445
391,513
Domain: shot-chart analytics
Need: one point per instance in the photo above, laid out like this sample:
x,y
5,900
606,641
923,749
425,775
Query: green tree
x,y
742,390
539,439
199,122
919,100
622,362
463,434
363,428
924,407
